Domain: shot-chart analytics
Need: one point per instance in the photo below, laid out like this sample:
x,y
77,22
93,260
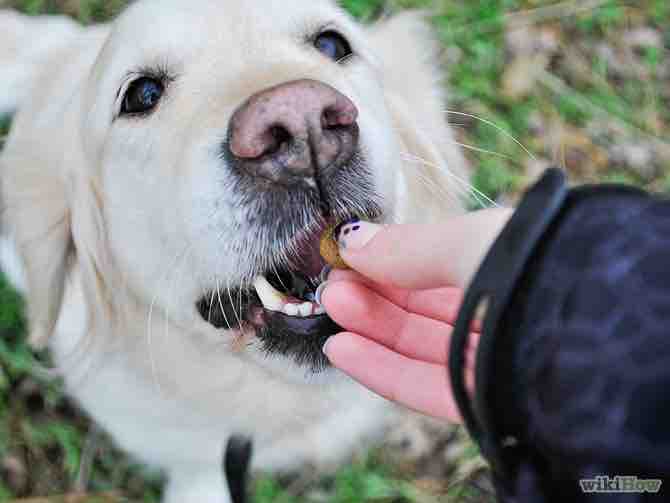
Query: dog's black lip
x,y
299,338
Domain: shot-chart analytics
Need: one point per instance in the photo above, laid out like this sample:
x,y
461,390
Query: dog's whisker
x,y
477,149
467,187
437,189
473,191
177,274
455,192
239,303
211,304
232,304
168,271
463,188
492,124
223,311
149,327
484,151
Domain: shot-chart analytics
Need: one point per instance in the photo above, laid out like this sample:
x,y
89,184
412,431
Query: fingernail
x,y
355,234
325,345
319,293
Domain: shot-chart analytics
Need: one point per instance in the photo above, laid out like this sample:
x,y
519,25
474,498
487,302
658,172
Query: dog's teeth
x,y
305,309
291,309
272,299
302,310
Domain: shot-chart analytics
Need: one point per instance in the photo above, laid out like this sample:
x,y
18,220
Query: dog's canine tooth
x,y
271,299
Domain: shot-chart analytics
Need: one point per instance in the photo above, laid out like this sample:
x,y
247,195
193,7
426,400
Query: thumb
x,y
421,256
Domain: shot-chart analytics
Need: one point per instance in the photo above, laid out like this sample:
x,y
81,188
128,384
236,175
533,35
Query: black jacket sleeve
x,y
573,368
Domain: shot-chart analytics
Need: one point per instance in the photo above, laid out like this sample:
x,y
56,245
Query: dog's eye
x,y
142,96
333,45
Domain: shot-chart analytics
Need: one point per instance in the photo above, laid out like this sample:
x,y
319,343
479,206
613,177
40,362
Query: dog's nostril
x,y
280,136
276,138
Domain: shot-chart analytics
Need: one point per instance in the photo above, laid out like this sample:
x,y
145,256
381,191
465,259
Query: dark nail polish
x,y
338,229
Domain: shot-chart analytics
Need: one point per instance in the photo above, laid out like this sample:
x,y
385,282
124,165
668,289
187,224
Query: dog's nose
x,y
294,131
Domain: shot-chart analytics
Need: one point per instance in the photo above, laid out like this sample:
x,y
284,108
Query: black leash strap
x,y
493,286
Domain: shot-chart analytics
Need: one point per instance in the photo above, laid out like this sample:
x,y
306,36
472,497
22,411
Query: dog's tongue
x,y
309,260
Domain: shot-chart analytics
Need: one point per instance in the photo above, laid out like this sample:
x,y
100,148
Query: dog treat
x,y
329,250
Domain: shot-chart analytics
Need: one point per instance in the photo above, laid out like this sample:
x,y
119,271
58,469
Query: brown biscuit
x,y
329,250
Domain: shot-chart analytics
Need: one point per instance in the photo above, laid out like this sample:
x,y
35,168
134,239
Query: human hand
x,y
400,303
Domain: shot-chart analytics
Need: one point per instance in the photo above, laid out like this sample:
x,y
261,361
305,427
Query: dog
x,y
166,180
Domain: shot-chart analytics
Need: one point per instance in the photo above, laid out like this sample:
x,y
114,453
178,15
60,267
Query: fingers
x,y
360,310
421,386
439,303
422,256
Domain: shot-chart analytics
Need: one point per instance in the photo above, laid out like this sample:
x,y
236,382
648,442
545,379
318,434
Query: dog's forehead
x,y
216,32
173,19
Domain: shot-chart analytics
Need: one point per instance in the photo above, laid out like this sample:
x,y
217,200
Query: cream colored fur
x,y
107,225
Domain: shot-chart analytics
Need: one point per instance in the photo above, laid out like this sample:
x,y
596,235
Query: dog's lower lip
x,y
318,326
300,339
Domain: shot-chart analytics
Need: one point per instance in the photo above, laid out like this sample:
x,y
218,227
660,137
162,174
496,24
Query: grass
x,y
592,96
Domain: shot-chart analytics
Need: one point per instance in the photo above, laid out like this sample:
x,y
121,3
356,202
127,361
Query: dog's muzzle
x,y
293,150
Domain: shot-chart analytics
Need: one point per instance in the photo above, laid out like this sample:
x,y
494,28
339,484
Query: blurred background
x,y
584,84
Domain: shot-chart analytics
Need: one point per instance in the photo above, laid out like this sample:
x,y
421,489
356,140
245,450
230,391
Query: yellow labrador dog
x,y
164,187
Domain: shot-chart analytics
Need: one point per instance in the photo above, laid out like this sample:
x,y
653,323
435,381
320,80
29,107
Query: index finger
x,y
426,256
440,304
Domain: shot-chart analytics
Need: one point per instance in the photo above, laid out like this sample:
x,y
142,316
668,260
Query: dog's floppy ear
x,y
36,220
414,92
27,44
50,206
51,218
33,192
